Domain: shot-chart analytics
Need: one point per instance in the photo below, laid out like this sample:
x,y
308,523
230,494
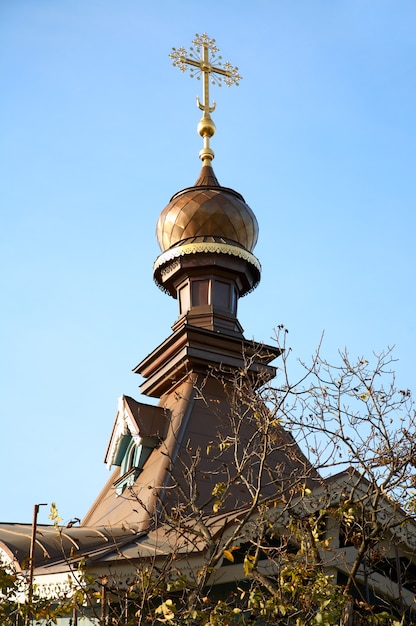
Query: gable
x,y
143,424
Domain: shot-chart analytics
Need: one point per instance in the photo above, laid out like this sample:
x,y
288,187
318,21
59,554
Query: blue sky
x,y
98,130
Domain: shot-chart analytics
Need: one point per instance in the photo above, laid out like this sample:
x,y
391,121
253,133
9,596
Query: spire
x,y
203,60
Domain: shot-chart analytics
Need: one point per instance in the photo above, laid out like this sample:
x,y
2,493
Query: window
x,y
223,295
200,292
134,458
184,301
130,456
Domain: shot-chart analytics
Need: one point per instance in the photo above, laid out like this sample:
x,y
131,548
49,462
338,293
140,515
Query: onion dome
x,y
207,210
204,226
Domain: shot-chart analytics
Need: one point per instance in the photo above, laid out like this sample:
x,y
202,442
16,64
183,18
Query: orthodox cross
x,y
203,60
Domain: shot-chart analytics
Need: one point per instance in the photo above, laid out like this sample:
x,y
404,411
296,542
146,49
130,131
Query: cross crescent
x,y
203,60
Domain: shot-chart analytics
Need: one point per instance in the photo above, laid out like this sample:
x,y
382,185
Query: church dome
x,y
207,210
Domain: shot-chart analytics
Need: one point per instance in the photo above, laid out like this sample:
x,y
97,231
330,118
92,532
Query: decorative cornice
x,y
206,248
191,349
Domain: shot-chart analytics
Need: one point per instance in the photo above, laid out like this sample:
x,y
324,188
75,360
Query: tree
x,y
298,513
16,610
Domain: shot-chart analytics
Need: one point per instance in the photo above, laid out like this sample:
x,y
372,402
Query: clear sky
x,y
98,131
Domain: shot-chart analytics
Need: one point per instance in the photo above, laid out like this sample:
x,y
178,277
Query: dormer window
x,y
138,429
134,457
131,456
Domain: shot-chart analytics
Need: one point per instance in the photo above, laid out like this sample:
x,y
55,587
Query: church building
x,y
199,462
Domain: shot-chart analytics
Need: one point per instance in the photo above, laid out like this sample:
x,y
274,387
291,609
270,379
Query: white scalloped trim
x,y
206,247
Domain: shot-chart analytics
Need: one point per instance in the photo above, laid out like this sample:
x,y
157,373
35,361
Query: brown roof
x,y
56,545
199,409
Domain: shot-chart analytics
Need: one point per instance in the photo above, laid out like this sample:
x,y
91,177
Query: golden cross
x,y
204,60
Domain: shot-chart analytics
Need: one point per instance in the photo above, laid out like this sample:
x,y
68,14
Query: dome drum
x,y
207,284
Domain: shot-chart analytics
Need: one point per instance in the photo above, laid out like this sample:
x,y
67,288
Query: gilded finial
x,y
203,60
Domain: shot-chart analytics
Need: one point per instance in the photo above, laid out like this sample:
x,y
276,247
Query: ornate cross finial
x,y
204,60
